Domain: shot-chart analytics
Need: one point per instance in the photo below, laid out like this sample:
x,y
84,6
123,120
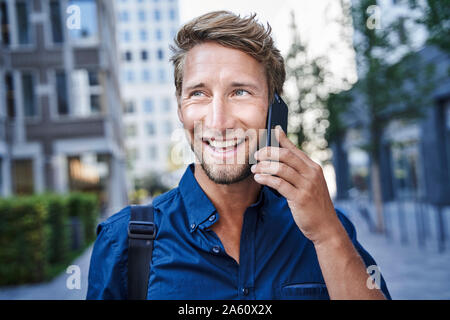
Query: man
x,y
232,230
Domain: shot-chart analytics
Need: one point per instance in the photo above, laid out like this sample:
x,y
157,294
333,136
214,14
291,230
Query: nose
x,y
219,116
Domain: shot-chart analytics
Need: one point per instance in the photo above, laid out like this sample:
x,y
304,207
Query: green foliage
x,y
23,240
308,117
35,235
58,221
85,207
436,18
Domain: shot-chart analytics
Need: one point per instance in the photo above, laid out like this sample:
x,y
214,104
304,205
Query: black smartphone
x,y
276,115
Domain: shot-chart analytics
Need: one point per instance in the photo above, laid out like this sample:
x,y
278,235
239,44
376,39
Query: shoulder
x,y
118,220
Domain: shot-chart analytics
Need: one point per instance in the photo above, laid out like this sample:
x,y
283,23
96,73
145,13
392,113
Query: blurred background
x,y
88,124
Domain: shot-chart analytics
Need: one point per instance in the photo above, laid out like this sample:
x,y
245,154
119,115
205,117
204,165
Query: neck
x,y
230,200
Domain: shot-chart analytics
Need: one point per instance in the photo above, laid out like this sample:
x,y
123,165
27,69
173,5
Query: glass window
x,y
28,96
127,56
130,107
153,152
86,92
4,24
88,30
157,14
56,21
148,105
158,34
160,54
144,55
143,35
146,75
61,90
124,16
131,130
172,14
23,177
126,36
142,16
150,126
162,75
9,91
129,76
95,104
23,23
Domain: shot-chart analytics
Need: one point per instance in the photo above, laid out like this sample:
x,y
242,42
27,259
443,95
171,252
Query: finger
x,y
278,169
286,156
286,189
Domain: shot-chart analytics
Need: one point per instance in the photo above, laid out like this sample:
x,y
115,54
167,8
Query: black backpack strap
x,y
141,233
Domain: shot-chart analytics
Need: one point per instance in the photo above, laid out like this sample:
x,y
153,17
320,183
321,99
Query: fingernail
x,y
255,155
253,168
257,176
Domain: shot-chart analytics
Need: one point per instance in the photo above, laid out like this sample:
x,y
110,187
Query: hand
x,y
300,180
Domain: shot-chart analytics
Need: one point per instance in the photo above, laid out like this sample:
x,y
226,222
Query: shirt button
x,y
212,218
216,249
245,291
193,226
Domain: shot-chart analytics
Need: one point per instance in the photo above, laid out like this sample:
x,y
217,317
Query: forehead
x,y
212,61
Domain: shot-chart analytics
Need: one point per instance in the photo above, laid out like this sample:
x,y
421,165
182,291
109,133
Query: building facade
x,y
60,102
145,31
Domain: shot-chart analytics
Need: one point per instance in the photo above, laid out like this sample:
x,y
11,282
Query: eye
x,y
196,94
241,92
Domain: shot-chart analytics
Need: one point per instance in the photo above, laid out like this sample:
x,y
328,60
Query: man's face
x,y
223,104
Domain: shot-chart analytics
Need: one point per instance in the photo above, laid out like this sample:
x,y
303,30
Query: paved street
x,y
410,272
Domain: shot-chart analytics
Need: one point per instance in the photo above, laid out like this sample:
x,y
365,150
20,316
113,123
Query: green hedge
x,y
35,233
23,240
85,207
58,220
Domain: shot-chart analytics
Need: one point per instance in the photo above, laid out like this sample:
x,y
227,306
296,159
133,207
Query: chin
x,y
226,173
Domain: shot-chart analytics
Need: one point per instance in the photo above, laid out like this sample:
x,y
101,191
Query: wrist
x,y
334,238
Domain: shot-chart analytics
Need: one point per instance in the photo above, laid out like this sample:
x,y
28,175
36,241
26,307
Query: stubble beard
x,y
224,173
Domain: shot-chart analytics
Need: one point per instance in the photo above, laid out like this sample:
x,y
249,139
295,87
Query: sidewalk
x,y
54,290
410,272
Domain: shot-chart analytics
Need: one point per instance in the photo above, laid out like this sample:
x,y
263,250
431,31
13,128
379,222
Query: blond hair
x,y
232,31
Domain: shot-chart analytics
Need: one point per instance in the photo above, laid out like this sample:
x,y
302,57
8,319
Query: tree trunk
x,y
377,195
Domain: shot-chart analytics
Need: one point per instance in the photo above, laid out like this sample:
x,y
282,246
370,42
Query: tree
x,y
436,18
308,116
387,90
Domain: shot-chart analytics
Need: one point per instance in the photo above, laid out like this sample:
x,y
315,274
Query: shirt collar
x,y
198,206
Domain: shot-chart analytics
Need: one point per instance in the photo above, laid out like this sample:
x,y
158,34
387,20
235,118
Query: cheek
x,y
254,117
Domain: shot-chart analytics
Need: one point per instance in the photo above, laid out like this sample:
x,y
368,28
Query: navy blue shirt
x,y
189,261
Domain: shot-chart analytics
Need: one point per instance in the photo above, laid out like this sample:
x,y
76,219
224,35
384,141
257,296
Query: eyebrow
x,y
233,84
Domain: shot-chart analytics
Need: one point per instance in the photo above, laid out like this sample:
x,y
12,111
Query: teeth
x,y
224,144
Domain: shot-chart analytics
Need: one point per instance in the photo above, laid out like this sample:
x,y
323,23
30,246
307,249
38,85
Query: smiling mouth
x,y
223,145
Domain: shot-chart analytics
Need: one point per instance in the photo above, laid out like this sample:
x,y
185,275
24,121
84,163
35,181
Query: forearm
x,y
343,269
